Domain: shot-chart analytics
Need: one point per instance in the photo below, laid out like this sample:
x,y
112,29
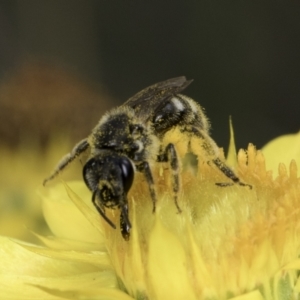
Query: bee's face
x,y
110,176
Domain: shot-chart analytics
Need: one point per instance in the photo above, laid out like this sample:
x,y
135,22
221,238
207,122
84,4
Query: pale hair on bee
x,y
132,137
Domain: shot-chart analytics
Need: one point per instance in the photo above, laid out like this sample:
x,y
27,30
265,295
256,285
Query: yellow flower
x,y
228,243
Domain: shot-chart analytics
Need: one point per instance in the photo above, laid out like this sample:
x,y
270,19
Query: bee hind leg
x,y
211,150
229,173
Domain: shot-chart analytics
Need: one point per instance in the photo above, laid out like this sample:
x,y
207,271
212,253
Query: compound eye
x,y
127,173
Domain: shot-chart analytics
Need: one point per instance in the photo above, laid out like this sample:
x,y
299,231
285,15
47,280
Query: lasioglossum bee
x,y
128,137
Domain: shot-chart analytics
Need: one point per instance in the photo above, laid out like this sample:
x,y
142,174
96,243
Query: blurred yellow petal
x,y
282,150
255,295
90,294
89,212
13,287
96,258
22,270
64,218
55,242
34,271
16,260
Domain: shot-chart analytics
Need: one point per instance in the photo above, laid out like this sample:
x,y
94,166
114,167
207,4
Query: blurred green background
x,y
242,55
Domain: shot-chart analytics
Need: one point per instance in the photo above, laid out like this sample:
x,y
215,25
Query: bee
x,y
132,137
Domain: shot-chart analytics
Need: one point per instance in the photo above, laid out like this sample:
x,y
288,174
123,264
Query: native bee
x,y
129,137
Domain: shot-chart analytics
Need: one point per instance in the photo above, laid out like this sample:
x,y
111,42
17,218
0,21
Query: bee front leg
x,y
145,168
125,224
101,211
68,158
170,155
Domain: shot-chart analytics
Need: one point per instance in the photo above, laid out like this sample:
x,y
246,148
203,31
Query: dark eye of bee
x,y
127,173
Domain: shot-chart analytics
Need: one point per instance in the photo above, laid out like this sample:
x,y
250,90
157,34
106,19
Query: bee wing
x,y
151,99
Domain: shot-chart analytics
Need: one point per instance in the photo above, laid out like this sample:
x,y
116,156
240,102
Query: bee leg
x,y
68,158
211,150
170,156
229,173
144,167
124,222
100,209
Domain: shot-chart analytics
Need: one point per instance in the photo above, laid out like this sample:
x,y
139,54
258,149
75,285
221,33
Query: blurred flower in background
x,y
44,110
282,150
40,98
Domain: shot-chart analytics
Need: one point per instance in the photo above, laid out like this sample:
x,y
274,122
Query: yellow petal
x,y
31,272
255,295
57,243
90,294
97,258
16,260
89,212
231,156
168,273
64,218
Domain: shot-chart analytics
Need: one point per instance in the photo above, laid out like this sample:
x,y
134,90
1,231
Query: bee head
x,y
111,175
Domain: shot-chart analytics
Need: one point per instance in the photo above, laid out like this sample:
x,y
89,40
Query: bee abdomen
x,y
179,111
